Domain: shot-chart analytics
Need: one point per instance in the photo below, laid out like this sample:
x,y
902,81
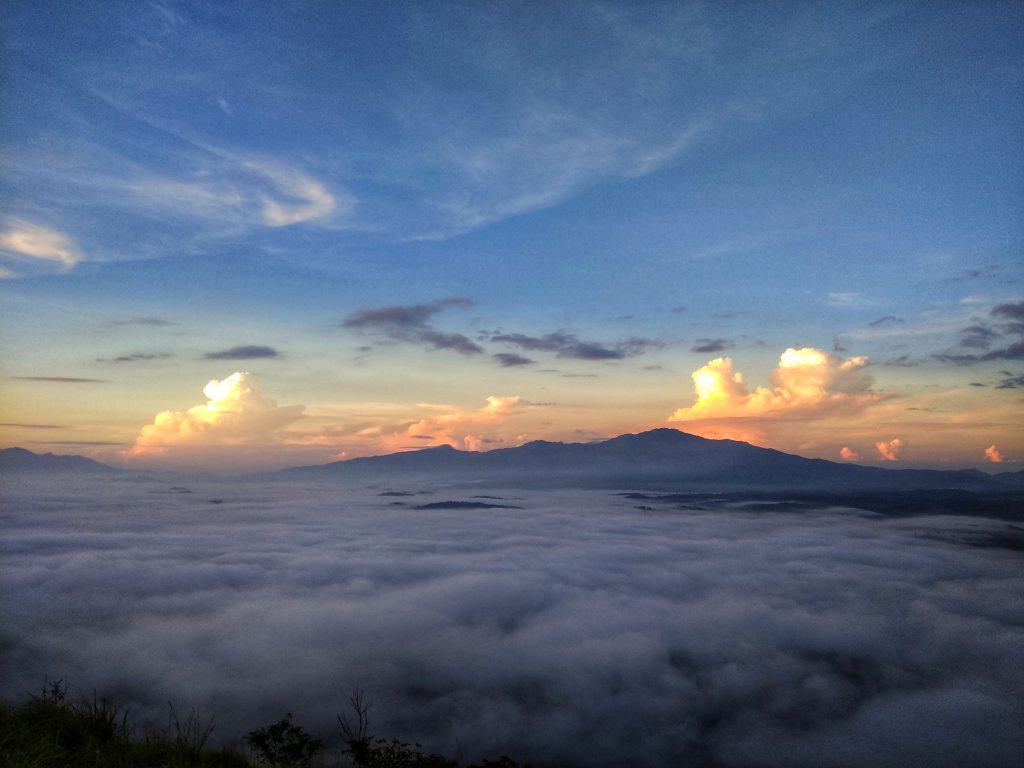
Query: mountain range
x,y
21,460
660,459
657,459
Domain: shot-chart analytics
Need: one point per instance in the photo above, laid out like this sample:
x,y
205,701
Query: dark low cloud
x,y
711,345
140,320
903,361
434,339
885,321
1014,351
510,359
31,426
61,379
568,345
977,336
999,340
135,357
410,324
1011,381
409,315
78,442
243,352
1012,311
575,630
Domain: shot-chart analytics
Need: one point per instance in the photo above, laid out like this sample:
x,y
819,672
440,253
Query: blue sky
x,y
761,175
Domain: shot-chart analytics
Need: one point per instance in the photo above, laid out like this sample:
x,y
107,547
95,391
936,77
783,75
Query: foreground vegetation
x,y
53,731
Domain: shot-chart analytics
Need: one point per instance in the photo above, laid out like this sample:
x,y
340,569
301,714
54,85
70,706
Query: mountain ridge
x,y
663,457
23,460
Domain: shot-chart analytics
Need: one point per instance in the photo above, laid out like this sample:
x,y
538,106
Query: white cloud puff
x,y
235,414
807,384
846,453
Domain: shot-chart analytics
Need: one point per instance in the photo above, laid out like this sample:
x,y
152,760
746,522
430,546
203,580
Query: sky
x,y
258,236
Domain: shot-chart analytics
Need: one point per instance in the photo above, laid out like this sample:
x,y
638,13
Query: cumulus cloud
x,y
846,453
468,429
234,416
572,631
807,384
994,455
35,242
889,450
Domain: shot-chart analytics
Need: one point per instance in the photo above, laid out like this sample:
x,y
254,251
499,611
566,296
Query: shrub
x,y
284,745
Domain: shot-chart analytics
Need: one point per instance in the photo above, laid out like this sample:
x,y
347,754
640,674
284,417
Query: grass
x,y
53,731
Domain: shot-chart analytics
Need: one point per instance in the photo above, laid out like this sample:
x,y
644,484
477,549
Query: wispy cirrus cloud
x,y
849,300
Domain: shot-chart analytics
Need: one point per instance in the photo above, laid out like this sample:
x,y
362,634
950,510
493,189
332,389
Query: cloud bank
x,y
576,629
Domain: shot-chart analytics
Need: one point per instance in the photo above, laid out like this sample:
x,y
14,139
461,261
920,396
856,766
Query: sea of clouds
x,y
578,628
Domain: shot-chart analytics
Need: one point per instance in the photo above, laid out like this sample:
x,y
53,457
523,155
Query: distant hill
x,y
658,459
20,460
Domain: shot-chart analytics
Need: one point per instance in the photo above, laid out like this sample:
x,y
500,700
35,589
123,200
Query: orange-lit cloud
x,y
467,429
848,454
807,384
889,450
994,455
235,414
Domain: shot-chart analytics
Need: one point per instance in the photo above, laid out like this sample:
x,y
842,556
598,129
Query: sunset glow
x,y
380,273
578,383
